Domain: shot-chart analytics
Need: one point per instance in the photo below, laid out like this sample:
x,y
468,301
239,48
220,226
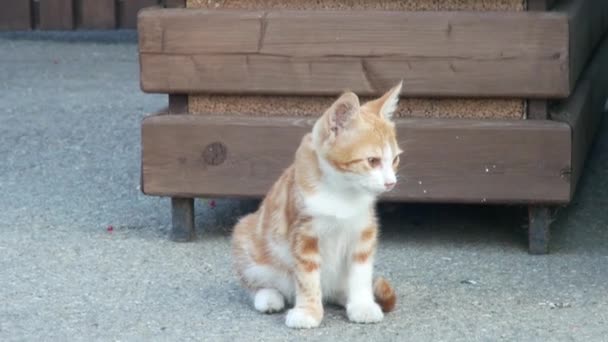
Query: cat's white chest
x,y
338,220
339,206
337,239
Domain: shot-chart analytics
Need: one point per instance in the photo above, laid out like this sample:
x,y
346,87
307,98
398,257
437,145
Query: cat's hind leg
x,y
268,300
272,288
270,285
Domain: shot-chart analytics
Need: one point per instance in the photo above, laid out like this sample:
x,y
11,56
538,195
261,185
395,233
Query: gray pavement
x,y
70,110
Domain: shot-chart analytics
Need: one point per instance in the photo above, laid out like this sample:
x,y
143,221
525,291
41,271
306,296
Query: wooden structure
x,y
75,14
242,77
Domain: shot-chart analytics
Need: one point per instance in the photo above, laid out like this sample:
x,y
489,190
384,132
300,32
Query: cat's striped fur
x,y
314,236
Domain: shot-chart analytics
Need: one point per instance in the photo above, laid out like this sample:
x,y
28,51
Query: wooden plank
x,y
448,160
583,109
56,14
187,31
324,52
588,21
537,109
15,15
128,11
97,14
540,5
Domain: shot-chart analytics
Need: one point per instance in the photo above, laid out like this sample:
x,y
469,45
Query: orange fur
x,y
385,295
346,137
310,245
362,257
368,234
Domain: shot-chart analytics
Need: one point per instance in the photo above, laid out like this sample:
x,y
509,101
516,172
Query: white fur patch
x,y
364,312
360,289
325,203
268,277
388,173
268,301
300,319
339,196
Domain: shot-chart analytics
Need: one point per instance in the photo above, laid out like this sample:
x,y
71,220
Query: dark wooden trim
x,y
164,110
182,208
128,10
587,21
466,161
182,218
537,110
583,109
97,14
15,15
178,104
538,216
174,3
506,54
56,14
539,229
540,5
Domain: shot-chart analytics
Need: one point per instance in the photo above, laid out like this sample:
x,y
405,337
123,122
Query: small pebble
x,y
468,282
552,305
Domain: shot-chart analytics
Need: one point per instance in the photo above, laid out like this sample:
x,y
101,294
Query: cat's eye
x,y
373,162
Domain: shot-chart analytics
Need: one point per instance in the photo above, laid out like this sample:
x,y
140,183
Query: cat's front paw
x,y
364,312
300,318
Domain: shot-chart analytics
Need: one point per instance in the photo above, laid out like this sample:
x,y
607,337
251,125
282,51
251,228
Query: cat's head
x,y
357,143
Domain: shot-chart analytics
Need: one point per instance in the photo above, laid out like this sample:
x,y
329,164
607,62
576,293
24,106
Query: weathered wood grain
x,y
56,14
97,14
325,52
451,160
584,108
587,22
15,15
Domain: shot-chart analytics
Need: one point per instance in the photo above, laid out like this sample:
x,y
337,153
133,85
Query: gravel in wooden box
x,y
315,105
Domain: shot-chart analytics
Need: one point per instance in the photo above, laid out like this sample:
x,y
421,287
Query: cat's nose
x,y
389,186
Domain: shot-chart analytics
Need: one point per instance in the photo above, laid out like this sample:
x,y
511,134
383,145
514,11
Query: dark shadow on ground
x,y
77,36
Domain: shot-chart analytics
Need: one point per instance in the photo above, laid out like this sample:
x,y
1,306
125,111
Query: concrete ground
x,y
70,110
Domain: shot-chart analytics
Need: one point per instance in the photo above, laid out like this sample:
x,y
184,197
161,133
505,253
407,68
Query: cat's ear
x,y
342,112
386,105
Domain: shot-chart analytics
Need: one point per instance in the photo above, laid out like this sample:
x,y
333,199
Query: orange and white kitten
x,y
314,236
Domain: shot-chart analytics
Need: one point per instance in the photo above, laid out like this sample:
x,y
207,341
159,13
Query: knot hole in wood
x,y
215,153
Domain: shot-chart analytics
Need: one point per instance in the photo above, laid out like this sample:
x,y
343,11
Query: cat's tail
x,y
384,294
